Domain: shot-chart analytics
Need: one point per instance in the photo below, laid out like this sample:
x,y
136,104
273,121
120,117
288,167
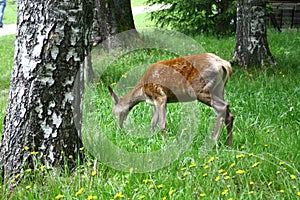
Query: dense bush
x,y
195,16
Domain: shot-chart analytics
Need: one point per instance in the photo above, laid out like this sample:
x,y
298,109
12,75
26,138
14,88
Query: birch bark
x,y
49,50
251,37
111,17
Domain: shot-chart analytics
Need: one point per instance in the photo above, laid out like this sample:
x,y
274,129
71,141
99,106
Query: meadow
x,y
263,163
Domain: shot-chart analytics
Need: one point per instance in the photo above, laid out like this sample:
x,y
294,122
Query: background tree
x,y
251,37
194,16
49,51
111,17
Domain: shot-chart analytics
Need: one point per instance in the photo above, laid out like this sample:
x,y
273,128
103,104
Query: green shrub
x,y
194,17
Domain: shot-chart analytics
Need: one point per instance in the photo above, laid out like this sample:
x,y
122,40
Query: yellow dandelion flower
x,y
225,192
151,186
91,197
270,183
232,165
255,164
114,83
28,187
26,148
211,159
230,199
79,192
160,186
164,198
251,183
185,174
70,156
13,181
147,181
202,195
284,169
251,192
298,194
217,178
172,192
142,197
221,171
278,172
205,174
240,171
119,195
240,155
93,173
132,145
192,165
34,153
183,168
281,191
59,196
242,147
81,149
18,175
228,186
251,154
293,176
294,187
281,163
227,177
28,170
205,166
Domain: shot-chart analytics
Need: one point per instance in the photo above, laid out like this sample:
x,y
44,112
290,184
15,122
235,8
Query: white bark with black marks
x,y
251,38
49,51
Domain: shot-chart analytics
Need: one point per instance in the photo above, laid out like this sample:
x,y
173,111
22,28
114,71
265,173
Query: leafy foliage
x,y
194,17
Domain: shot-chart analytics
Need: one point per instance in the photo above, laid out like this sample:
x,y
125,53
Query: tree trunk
x,y
111,17
251,38
49,51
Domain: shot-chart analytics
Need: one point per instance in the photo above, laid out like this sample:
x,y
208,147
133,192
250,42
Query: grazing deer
x,y
199,77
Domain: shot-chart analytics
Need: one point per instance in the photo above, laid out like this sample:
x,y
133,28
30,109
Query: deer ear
x,y
113,95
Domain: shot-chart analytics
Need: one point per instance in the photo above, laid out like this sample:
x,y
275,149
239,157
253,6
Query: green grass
x,y
142,21
10,13
138,2
262,164
6,59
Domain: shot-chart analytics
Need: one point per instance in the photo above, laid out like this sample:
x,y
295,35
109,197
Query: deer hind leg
x,y
224,115
229,124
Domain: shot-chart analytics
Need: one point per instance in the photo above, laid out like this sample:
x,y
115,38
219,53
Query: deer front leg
x,y
161,108
154,119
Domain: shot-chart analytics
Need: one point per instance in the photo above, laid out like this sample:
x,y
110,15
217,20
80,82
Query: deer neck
x,y
134,97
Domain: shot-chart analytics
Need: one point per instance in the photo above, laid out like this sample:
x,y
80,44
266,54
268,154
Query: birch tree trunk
x,y
111,17
251,38
49,51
